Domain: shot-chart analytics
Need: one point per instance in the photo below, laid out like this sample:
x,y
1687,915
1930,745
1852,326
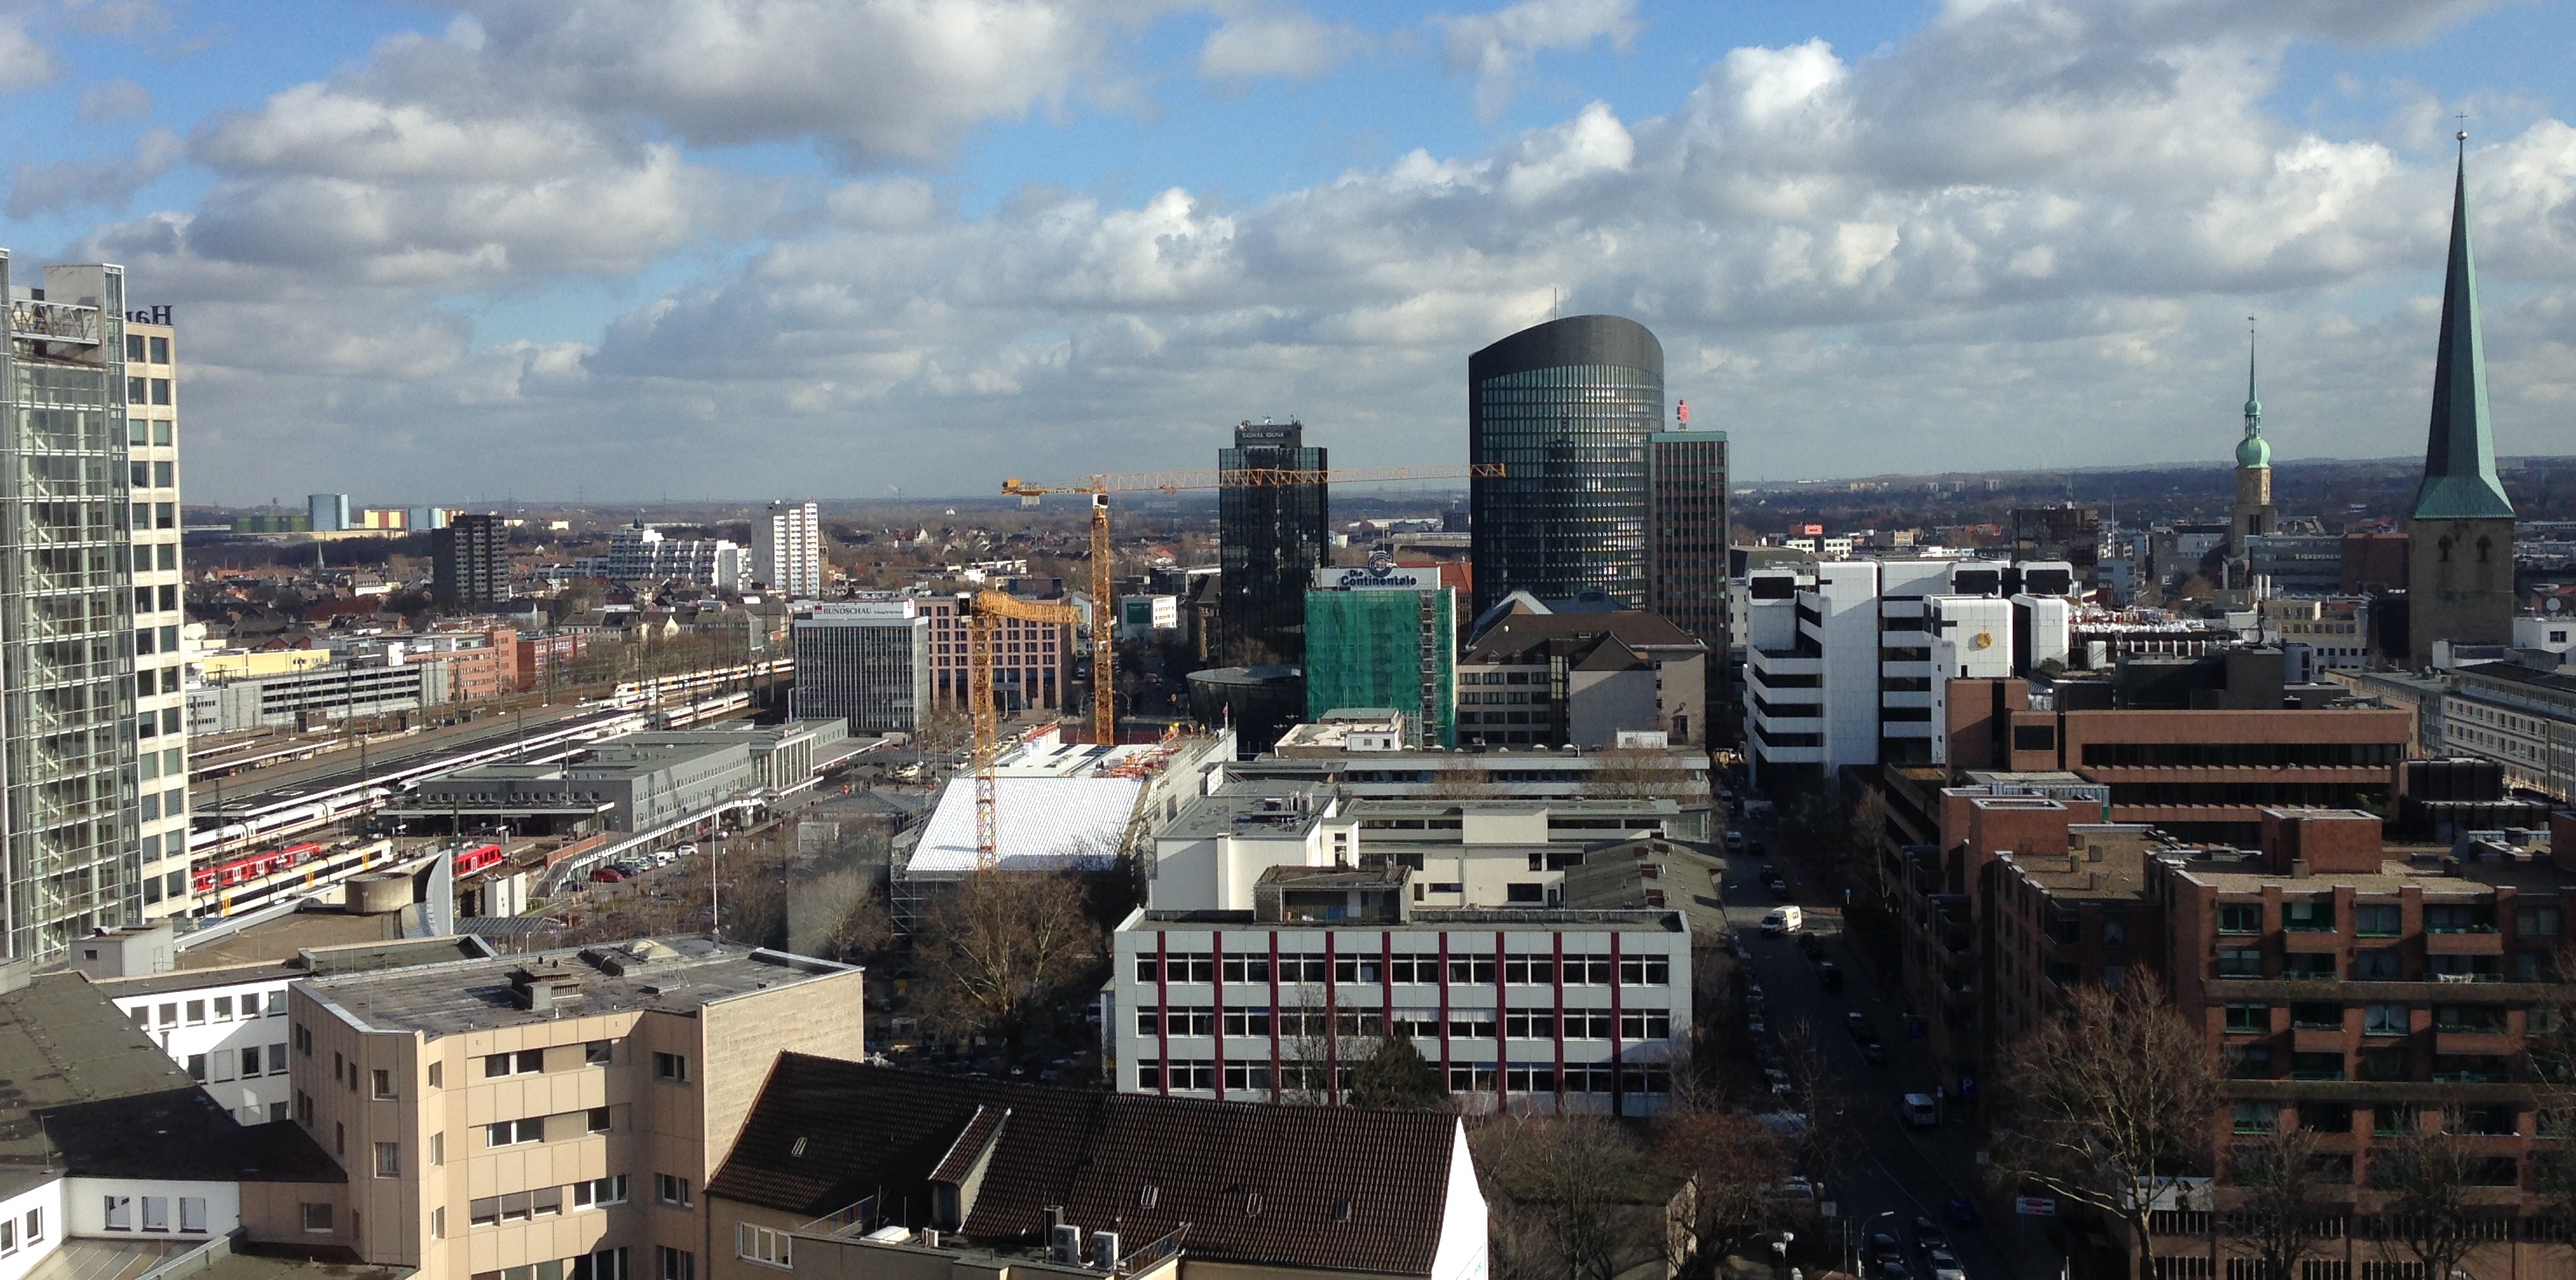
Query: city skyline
x,y
463,261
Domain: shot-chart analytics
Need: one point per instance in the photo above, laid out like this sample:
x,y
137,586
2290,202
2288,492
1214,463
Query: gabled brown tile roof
x,y
1257,1183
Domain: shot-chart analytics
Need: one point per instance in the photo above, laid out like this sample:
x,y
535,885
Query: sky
x,y
605,250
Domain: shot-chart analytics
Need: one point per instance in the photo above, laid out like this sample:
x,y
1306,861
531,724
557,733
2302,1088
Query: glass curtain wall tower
x,y
1271,539
1566,408
69,831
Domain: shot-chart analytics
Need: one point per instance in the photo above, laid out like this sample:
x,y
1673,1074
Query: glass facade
x,y
68,635
1566,408
1271,539
1686,560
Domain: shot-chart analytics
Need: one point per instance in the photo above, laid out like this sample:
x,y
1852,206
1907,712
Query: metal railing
x,y
53,321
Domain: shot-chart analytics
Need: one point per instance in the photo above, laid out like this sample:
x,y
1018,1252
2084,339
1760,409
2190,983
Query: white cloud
x,y
1500,46
1296,45
68,184
118,99
24,64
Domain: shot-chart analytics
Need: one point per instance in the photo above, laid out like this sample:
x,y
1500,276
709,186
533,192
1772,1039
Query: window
x,y
764,1245
2308,915
388,1159
160,350
1529,971
2240,962
1414,967
524,1062
1586,1024
1531,892
2240,917
2376,964
2249,1061
599,1193
2258,1117
595,1120
2383,1020
1472,969
1179,966
1305,970
339,1139
437,1149
598,1053
2249,1018
2377,919
438,1075
1471,1024
2537,922
2313,1015
438,1223
607,1264
1247,968
673,1067
120,1213
513,1132
197,1014
384,1083
156,1213
223,1008
2469,917
1651,1024
197,1067
134,347
317,1216
1355,969
250,1062
671,1189
677,1264
1248,1022
1589,971
1530,1024
1247,1075
1645,971
277,1059
35,1226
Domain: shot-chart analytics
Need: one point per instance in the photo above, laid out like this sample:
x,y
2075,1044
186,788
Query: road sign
x,y
2035,1206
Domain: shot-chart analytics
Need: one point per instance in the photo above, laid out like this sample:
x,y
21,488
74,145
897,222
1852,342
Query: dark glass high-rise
x,y
1271,537
1566,408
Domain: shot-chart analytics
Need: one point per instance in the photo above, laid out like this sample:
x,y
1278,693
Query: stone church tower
x,y
2459,581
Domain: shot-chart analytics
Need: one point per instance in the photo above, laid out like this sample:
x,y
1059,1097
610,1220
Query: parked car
x,y
1874,1053
1777,1079
1828,974
686,851
607,875
1778,886
1857,1024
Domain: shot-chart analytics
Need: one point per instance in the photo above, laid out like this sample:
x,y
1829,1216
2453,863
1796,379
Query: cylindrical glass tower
x,y
1566,408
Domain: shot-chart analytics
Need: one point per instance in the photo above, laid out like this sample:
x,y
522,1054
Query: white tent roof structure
x,y
1041,824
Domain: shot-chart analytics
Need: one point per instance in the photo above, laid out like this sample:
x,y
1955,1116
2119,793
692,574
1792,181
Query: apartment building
x,y
787,550
553,1113
848,1170
1285,937
1842,659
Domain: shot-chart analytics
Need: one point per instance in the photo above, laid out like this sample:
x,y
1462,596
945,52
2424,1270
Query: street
x,y
1889,1172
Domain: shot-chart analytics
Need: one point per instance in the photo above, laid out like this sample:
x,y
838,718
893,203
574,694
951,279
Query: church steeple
x,y
2459,456
2253,450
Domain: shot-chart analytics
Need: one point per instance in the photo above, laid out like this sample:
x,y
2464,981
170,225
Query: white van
x,y
1920,1110
1783,920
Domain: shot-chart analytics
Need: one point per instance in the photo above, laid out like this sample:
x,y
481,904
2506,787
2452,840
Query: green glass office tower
x,y
69,828
1566,408
1380,637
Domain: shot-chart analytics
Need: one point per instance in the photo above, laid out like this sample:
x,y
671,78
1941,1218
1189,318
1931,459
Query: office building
x,y
1565,408
846,1169
1384,636
787,550
1846,662
867,662
329,513
1581,679
1686,505
469,563
1032,661
2520,718
160,588
73,650
1363,753
560,1111
1271,538
2459,579
639,554
367,686
1289,931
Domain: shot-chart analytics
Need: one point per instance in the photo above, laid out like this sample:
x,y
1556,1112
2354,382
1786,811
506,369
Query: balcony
x,y
2486,942
2478,1043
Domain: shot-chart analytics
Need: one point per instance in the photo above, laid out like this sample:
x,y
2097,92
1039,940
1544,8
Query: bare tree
x,y
2280,1198
1817,1093
1637,773
2111,1105
996,947
2429,1215
1568,1197
1731,1167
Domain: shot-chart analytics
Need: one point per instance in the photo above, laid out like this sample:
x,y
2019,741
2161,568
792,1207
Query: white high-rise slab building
x,y
787,550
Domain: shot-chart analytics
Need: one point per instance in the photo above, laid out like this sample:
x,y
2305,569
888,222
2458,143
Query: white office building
x,y
1844,660
787,550
867,662
1288,932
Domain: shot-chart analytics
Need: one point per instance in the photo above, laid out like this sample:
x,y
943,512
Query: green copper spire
x,y
2253,450
2459,457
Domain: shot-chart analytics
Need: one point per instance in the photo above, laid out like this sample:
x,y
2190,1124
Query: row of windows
x,y
1421,1024
136,349
198,1012
155,1215
2243,755
606,1264
2387,919
511,1133
1464,1077
520,1206
2376,1019
2386,964
1408,967
147,391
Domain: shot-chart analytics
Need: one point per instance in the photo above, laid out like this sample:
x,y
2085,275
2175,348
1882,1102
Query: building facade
x,y
2459,578
2522,719
328,513
71,644
639,554
867,662
1581,679
1032,661
1686,531
1384,637
1271,538
469,562
787,550
152,471
1566,409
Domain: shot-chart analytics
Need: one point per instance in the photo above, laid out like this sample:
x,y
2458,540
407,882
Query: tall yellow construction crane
x,y
985,614
1104,714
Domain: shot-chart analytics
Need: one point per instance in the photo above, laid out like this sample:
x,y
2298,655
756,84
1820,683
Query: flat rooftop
x,y
360,957
294,933
665,975
1481,919
1283,811
2428,868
